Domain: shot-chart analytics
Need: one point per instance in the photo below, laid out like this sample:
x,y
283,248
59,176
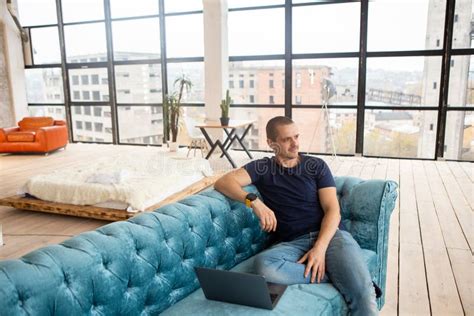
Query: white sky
x,y
393,25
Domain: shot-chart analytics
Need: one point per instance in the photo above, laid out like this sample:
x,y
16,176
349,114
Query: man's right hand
x,y
268,221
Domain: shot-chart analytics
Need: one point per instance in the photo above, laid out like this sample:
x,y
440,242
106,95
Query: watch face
x,y
251,196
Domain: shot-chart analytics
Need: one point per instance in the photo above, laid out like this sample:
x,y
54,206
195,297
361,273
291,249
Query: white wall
x,y
215,56
13,103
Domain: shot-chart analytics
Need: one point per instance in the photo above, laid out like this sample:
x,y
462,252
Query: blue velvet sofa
x,y
144,266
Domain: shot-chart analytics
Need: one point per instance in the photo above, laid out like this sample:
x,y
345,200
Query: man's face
x,y
287,143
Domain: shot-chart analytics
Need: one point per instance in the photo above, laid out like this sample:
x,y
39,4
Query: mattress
x,y
127,181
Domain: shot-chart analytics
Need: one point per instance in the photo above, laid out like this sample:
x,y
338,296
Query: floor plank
x,y
455,241
368,168
468,168
466,185
459,203
461,262
413,290
443,294
380,171
345,168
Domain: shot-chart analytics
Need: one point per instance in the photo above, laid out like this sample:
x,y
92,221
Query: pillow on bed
x,y
116,177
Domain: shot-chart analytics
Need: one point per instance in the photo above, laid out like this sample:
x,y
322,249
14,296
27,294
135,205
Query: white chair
x,y
197,140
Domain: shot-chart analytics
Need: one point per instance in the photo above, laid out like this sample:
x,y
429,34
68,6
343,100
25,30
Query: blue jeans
x,y
345,268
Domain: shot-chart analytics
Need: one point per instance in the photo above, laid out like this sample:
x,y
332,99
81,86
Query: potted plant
x,y
225,105
172,110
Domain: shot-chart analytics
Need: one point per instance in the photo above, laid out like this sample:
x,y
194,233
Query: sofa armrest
x,y
52,136
5,131
366,207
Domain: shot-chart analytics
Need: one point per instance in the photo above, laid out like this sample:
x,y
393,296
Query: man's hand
x,y
267,218
316,263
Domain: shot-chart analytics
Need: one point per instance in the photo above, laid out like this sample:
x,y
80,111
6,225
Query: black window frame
x,y
446,52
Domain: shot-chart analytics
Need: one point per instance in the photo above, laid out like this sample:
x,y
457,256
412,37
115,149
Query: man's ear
x,y
273,145
269,142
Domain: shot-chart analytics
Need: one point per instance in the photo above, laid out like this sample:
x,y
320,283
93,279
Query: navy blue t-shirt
x,y
292,193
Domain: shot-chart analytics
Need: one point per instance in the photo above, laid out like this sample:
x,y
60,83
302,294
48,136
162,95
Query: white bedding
x,y
137,180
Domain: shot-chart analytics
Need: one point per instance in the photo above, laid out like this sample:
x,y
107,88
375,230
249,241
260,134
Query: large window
x,y
29,12
194,71
318,29
252,3
57,112
141,124
173,6
91,124
82,10
459,142
256,32
129,35
44,85
403,81
313,78
400,133
127,8
85,42
397,84
185,36
405,25
138,83
255,81
88,84
463,16
461,82
45,45
320,130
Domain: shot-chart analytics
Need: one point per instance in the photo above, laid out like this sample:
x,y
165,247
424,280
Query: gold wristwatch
x,y
249,198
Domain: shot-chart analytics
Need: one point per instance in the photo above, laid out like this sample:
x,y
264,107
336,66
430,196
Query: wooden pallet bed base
x,y
88,211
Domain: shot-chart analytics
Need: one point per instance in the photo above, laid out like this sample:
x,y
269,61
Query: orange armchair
x,y
34,135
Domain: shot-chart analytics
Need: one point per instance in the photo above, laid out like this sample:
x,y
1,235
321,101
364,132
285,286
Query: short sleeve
x,y
324,178
256,169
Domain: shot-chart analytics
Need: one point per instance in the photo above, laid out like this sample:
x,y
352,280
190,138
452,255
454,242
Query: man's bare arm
x,y
332,216
231,185
316,256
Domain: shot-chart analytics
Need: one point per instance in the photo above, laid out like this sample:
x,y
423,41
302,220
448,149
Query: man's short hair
x,y
272,125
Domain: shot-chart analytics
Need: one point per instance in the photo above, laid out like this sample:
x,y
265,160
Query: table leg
x,y
242,137
239,139
209,140
224,152
230,136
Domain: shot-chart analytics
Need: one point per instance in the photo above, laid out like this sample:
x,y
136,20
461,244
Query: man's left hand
x,y
315,264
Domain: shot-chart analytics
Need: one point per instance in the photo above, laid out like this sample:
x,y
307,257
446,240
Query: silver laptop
x,y
239,288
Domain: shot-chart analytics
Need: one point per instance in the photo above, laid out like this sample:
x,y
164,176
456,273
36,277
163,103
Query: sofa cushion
x,y
24,137
298,299
33,123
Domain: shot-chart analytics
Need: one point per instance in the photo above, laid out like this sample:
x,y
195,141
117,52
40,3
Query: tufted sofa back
x,y
144,265
126,268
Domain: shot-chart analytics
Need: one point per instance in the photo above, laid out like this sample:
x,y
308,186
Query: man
x,y
300,207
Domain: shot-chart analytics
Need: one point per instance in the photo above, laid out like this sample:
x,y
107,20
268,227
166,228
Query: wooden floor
x,y
430,251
